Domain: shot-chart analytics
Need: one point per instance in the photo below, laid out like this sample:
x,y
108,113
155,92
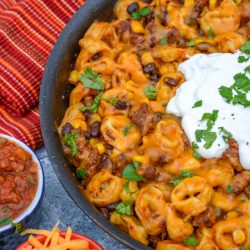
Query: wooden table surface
x,y
57,205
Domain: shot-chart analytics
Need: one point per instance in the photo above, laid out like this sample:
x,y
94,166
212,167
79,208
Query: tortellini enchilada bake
x,y
156,153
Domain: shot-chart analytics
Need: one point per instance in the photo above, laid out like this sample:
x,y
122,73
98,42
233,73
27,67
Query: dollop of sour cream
x,y
205,74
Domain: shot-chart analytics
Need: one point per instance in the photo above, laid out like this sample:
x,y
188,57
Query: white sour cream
x,y
204,75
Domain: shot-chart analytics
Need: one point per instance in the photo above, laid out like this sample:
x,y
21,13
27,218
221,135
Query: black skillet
x,y
54,101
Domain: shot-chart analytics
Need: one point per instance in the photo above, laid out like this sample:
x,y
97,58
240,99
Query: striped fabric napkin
x,y
28,30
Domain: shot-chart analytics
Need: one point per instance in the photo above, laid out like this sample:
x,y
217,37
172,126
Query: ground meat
x,y
241,181
232,154
205,219
106,162
157,157
244,8
143,117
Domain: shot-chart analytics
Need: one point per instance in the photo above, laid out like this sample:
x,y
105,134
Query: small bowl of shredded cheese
x,y
40,239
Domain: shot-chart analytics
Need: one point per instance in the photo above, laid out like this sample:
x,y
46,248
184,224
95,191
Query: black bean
x,y
121,104
96,56
106,162
87,135
95,129
147,1
155,76
66,129
203,46
149,68
164,17
171,81
108,146
132,7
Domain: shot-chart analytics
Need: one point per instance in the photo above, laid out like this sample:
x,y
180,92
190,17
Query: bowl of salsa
x,y
21,189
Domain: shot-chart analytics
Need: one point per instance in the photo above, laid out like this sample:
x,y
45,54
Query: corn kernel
x,y
79,124
95,117
93,142
147,58
100,148
137,27
232,214
189,2
141,158
212,4
239,236
74,76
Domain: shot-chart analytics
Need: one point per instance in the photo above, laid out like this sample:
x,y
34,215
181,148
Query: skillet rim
x,y
51,140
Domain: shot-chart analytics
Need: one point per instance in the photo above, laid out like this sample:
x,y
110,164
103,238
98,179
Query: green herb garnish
x,y
150,92
242,59
183,175
211,34
191,241
245,48
207,136
226,134
197,104
81,173
191,43
129,172
111,100
242,248
164,40
8,221
136,15
196,154
92,80
123,208
94,106
210,118
127,128
5,221
70,139
229,189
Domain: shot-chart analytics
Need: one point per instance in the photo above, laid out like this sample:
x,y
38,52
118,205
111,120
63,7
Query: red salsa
x,y
18,180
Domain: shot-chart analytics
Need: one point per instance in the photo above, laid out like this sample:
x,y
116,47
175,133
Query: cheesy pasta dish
x,y
132,158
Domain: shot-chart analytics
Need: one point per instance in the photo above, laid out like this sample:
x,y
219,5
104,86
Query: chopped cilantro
x,y
245,48
226,134
207,136
247,69
196,154
190,241
164,40
210,118
229,189
111,100
81,173
70,139
123,208
129,172
94,106
243,248
197,104
92,80
150,92
191,43
242,59
183,174
8,221
127,128
227,93
126,187
136,15
5,221
211,34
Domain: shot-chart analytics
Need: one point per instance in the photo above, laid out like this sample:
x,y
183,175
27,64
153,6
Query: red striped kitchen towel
x,y
28,30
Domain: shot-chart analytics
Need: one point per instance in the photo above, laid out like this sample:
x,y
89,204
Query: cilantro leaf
x,y
226,134
242,82
190,241
183,174
227,93
126,187
241,99
209,137
92,80
247,69
229,189
245,48
197,104
127,128
242,248
123,208
130,174
94,106
198,135
164,40
191,43
5,221
242,59
196,154
144,11
81,173
211,34
111,100
150,92
135,15
70,139
210,118
18,227
137,165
